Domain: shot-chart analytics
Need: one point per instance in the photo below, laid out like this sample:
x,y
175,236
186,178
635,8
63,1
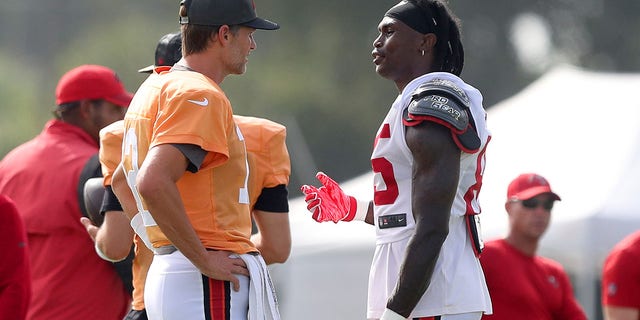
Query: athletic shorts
x,y
176,290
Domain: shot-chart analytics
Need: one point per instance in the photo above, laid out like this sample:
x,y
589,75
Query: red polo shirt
x,y
69,281
527,287
621,274
15,286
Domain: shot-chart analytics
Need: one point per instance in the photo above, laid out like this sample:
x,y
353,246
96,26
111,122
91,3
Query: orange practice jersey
x,y
184,107
110,155
268,156
110,149
139,269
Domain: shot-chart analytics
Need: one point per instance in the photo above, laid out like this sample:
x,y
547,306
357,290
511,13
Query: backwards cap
x,y
168,52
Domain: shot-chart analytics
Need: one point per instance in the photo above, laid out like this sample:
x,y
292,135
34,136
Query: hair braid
x,y
449,55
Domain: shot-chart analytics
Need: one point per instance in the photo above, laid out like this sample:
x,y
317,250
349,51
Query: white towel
x,y
263,303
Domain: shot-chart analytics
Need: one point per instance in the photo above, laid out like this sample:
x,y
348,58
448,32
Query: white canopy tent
x,y
579,129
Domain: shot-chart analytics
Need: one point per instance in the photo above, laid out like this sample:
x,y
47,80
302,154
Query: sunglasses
x,y
534,203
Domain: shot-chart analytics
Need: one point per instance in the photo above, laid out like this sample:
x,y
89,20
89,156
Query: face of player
x,y
395,50
530,218
241,45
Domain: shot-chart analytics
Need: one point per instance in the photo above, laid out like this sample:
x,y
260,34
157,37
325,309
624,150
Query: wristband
x,y
360,212
389,314
102,255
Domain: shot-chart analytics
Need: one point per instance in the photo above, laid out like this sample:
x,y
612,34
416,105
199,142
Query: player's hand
x,y
92,230
222,265
329,202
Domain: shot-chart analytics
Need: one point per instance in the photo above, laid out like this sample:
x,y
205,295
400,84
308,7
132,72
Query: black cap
x,y
221,12
168,52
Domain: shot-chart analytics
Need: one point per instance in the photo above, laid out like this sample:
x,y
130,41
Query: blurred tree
x,y
21,113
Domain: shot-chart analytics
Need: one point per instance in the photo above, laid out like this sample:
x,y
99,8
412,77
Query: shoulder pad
x,y
446,87
442,101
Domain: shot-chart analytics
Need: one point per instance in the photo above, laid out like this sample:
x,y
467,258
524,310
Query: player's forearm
x,y
274,237
273,250
431,209
179,231
416,272
123,192
115,236
165,205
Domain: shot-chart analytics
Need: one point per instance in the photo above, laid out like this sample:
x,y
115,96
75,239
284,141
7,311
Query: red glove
x,y
330,203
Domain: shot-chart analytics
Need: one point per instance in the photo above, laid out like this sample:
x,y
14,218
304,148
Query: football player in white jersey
x,y
428,160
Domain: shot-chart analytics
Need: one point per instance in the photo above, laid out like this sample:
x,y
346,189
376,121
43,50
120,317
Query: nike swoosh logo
x,y
202,103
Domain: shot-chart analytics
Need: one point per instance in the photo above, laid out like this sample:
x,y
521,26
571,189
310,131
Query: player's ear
x,y
507,207
223,34
429,41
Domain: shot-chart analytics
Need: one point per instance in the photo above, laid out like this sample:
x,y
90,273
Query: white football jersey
x,y
457,284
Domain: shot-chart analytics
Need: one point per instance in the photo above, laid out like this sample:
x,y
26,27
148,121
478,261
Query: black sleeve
x,y
109,201
273,199
194,153
90,170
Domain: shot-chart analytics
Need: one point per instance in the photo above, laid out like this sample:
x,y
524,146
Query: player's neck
x,y
205,64
525,245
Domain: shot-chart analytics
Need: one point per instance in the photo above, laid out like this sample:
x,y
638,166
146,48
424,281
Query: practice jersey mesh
x,y
267,152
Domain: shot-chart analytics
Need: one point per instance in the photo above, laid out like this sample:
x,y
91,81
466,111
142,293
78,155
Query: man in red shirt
x,y
621,280
69,280
523,285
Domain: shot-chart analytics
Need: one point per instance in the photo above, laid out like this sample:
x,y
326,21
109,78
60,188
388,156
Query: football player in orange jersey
x,y
184,163
269,174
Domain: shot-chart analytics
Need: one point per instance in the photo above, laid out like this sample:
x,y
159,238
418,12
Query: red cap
x,y
529,185
92,82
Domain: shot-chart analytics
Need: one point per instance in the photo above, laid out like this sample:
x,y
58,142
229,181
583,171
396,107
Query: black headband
x,y
416,18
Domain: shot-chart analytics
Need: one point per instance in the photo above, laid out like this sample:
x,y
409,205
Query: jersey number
x,y
389,195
